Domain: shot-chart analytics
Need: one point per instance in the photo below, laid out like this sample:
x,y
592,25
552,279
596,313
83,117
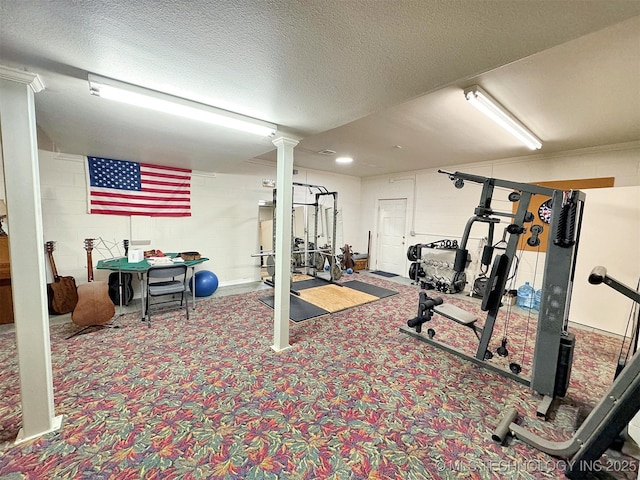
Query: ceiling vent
x,y
327,152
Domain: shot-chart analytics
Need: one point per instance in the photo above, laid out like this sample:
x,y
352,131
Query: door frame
x,y
376,242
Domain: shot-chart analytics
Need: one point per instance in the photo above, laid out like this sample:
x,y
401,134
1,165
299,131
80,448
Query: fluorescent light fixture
x,y
163,102
496,112
344,160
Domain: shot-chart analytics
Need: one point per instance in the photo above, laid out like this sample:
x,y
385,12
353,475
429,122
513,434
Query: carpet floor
x,y
353,398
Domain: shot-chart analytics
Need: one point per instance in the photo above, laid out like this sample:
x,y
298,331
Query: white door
x,y
391,251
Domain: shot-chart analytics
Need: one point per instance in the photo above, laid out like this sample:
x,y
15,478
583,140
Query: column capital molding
x,y
21,76
285,140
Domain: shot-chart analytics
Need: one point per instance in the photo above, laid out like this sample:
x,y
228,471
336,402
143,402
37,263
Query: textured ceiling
x,y
581,94
350,76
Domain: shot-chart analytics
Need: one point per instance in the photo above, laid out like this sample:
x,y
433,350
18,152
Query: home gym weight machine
x,y
613,412
305,253
553,354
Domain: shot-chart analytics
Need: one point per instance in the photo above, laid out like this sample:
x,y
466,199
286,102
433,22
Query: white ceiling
x,y
359,77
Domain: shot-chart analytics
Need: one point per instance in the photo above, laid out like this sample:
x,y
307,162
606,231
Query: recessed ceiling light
x,y
344,160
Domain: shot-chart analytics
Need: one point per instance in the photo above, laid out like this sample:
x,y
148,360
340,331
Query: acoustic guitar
x,y
121,280
94,305
62,292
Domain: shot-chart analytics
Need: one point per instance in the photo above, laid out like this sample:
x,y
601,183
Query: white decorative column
x,y
284,204
28,278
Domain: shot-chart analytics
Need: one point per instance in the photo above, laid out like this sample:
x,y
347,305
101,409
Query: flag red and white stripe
x,y
120,187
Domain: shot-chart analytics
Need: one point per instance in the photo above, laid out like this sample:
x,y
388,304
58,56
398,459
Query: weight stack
x,y
565,360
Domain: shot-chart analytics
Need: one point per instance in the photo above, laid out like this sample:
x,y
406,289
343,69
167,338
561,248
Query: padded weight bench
x,y
460,316
456,314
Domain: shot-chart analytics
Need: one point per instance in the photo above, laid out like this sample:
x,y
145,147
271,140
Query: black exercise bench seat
x,y
456,314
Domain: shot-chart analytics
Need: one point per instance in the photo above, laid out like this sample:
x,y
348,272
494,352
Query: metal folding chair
x,y
172,285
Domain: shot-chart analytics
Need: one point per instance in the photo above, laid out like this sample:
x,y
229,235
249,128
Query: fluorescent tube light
x,y
496,112
163,102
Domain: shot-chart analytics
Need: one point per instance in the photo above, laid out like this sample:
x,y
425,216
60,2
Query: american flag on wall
x,y
120,187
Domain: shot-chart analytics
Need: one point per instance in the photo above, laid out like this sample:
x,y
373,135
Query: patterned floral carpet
x,y
353,398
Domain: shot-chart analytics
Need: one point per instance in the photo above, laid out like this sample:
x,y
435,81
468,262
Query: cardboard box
x,y
360,264
135,256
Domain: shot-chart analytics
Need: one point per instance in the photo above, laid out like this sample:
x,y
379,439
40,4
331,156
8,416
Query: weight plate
x,y
319,261
271,265
336,273
412,271
412,253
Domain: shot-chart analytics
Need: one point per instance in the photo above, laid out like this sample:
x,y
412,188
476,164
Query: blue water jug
x,y
536,299
526,295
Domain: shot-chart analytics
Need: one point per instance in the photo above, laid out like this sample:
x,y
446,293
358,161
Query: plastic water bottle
x,y
526,295
536,299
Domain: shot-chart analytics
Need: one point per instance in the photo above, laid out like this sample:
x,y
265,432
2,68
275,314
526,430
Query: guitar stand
x,y
84,329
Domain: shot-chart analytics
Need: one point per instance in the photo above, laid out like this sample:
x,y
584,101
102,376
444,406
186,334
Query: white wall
x,y
436,209
611,238
224,225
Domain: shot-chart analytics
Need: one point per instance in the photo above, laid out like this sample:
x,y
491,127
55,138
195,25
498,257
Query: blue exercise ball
x,y
349,271
206,283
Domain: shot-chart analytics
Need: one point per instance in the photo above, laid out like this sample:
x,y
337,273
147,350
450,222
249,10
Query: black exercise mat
x,y
383,274
299,309
310,283
369,288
